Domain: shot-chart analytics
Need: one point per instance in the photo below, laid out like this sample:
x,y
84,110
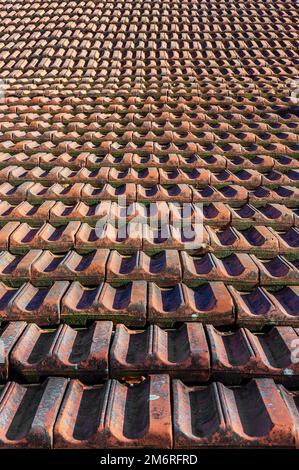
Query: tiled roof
x,y
149,223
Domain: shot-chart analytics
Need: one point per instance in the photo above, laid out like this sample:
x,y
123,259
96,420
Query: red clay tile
x,y
256,240
277,271
32,304
236,268
127,237
261,307
28,413
121,304
17,268
114,409
254,415
8,338
79,354
57,239
5,233
163,267
181,353
88,268
242,354
61,213
209,303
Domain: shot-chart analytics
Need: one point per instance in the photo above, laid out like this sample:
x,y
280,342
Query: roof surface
x,y
149,223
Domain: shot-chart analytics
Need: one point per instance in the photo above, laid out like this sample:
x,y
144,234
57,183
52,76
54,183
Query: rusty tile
x,y
81,354
121,304
5,233
171,192
88,268
56,239
163,267
8,338
107,236
242,354
17,268
26,212
32,304
181,353
115,411
28,413
277,271
270,215
254,415
61,213
255,240
236,268
209,303
261,307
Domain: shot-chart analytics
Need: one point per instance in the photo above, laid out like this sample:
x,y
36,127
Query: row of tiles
x,y
164,23
203,98
182,193
259,240
89,162
191,353
135,302
140,10
17,67
199,177
167,267
144,146
167,45
59,107
121,126
157,413
125,61
215,214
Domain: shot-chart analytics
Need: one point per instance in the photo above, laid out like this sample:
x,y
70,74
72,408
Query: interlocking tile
x,y
87,268
273,215
171,192
242,354
288,241
121,304
8,338
261,306
25,212
162,267
232,194
5,233
259,414
28,413
114,411
61,213
128,237
236,268
169,237
277,271
32,304
17,268
57,239
79,354
287,195
209,303
256,240
181,353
